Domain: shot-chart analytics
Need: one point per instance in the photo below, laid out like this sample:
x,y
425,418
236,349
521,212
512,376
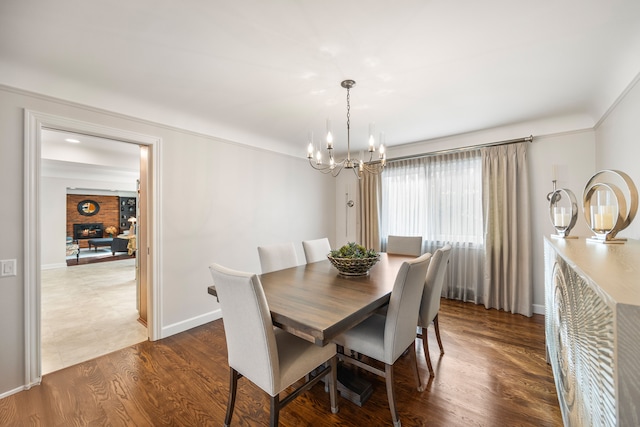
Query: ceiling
x,y
97,162
266,73
72,147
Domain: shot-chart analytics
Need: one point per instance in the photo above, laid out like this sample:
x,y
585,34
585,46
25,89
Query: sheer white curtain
x,y
440,198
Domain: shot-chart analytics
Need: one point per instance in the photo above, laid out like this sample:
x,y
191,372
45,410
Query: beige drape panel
x,y
508,283
370,189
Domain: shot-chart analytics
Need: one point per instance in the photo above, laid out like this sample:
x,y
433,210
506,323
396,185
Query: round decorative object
x,y
353,266
605,205
88,207
563,211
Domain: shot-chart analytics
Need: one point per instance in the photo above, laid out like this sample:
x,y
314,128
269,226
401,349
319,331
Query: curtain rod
x,y
461,149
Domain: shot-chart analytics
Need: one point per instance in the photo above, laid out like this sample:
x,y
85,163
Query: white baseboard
x,y
185,325
52,266
14,391
538,309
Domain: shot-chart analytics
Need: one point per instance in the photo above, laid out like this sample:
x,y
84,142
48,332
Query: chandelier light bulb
x,y
382,155
372,142
329,136
310,151
318,158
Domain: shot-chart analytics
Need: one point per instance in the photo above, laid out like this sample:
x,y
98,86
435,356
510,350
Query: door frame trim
x,y
34,122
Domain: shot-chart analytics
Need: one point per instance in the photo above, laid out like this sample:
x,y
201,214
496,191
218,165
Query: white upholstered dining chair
x,y
316,250
430,304
386,337
269,357
277,257
404,245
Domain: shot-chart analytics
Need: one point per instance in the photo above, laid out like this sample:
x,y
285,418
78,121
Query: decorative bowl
x,y
353,266
353,259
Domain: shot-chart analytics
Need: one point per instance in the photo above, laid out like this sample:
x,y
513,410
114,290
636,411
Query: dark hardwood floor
x,y
493,374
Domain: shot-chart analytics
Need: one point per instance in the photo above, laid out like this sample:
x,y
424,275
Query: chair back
x,y
316,250
433,286
404,245
277,257
402,314
251,342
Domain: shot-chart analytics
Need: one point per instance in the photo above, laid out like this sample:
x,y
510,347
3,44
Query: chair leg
x,y
388,369
414,364
275,411
333,387
437,329
233,386
425,346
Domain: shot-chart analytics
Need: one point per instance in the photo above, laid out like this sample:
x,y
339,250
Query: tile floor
x,y
87,311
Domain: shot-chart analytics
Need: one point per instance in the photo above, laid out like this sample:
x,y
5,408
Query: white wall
x,y
618,143
225,201
53,225
573,154
12,367
219,201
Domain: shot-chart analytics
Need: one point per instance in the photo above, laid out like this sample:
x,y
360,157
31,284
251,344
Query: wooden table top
x,y
314,302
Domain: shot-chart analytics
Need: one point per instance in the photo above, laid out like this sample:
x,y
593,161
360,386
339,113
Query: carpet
x,y
89,256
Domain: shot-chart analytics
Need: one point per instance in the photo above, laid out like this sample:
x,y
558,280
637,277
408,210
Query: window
x,y
436,197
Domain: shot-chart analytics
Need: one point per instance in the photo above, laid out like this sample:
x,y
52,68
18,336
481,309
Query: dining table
x,y
314,302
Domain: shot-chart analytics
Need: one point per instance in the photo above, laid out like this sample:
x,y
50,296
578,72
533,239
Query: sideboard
x,y
592,327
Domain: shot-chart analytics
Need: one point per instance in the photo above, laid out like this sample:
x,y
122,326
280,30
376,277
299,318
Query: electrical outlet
x,y
7,267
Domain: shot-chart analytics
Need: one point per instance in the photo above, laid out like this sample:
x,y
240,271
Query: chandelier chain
x,y
348,124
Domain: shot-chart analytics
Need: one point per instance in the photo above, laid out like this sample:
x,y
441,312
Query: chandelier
x,y
358,166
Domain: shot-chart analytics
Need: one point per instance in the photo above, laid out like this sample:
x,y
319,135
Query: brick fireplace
x,y
108,215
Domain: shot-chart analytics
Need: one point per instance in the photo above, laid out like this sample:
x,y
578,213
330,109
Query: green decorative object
x,y
353,259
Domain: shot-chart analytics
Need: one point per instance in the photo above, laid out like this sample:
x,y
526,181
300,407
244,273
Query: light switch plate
x,y
7,267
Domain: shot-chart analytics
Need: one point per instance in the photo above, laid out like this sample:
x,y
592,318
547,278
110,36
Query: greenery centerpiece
x,y
353,259
111,230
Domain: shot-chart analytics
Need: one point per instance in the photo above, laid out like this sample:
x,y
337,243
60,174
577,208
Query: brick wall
x,y
108,214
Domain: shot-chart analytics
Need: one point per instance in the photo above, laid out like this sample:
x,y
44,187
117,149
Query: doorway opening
x,y
91,185
147,227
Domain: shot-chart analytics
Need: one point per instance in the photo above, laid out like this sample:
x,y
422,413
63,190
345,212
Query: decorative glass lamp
x,y
608,209
132,227
563,211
